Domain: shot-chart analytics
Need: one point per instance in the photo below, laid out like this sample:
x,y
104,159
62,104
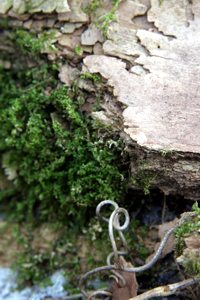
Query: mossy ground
x,y
59,164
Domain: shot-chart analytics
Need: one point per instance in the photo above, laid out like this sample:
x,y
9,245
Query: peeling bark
x,y
150,60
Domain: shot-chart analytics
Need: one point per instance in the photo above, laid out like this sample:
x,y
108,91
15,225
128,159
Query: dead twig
x,y
166,290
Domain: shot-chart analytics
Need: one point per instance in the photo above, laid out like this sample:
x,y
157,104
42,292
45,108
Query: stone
x,y
68,74
88,49
5,6
68,28
65,40
91,36
28,24
45,6
122,42
76,13
21,17
138,70
128,10
98,49
38,25
170,17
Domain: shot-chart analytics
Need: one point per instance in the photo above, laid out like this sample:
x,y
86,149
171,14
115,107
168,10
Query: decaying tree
x,y
148,55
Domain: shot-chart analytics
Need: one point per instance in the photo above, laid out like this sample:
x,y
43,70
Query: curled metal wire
x,y
114,223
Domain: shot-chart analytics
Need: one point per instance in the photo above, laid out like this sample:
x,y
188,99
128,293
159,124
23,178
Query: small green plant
x,y
144,179
105,20
94,77
30,43
190,226
78,50
37,260
186,229
92,6
192,264
166,153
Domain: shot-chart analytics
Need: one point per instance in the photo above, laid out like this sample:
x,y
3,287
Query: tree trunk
x,y
148,54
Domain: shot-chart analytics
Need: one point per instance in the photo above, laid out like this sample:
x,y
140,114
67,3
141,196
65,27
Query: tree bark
x,y
148,55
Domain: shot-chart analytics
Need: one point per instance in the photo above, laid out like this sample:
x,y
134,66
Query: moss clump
x,y
144,180
190,226
55,158
92,6
105,20
93,77
58,162
29,43
191,260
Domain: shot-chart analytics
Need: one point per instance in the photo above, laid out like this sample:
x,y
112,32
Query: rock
x,y
22,17
160,107
50,22
138,70
122,42
98,49
91,36
38,25
128,10
5,5
88,49
45,6
170,17
68,74
28,24
76,13
102,117
68,28
15,23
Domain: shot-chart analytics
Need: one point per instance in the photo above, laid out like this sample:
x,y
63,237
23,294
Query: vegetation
x,y
58,163
78,50
59,160
30,43
103,21
93,6
191,261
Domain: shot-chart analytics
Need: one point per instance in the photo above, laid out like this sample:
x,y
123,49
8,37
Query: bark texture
x,y
149,57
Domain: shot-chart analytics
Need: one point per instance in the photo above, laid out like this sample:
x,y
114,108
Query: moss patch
x,y
59,163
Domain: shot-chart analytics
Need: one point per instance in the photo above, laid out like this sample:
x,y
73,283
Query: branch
x,y
166,290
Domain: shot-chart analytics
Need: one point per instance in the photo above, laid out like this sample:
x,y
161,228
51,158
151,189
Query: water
x,y
8,287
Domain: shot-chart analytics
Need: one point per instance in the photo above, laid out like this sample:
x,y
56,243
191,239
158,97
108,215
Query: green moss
x,y
78,50
94,77
105,20
3,23
60,164
190,226
36,261
29,42
144,180
191,261
92,6
192,265
59,159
